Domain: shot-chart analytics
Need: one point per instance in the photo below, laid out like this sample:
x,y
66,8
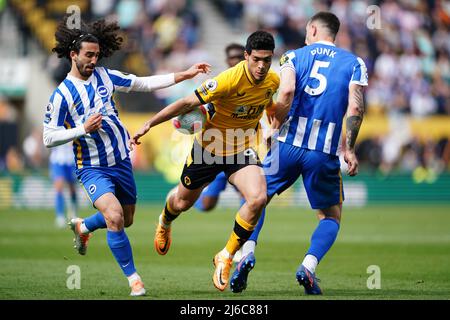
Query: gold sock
x,y
241,232
168,215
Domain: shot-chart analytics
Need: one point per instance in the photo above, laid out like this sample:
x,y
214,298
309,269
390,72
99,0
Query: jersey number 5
x,y
315,74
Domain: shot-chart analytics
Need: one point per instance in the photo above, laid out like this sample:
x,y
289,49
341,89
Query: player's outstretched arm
x,y
180,106
151,83
190,73
56,136
355,112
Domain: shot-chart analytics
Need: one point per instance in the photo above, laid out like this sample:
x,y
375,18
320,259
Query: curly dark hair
x,y
260,40
101,32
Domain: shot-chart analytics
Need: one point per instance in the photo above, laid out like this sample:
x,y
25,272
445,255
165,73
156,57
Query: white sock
x,y
161,222
133,278
310,262
249,246
225,253
83,228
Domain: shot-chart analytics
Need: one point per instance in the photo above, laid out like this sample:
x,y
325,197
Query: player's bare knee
x,y
179,204
114,218
333,212
256,203
182,205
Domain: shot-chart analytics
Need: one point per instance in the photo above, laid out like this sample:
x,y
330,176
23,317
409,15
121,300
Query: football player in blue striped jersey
x,y
320,84
82,110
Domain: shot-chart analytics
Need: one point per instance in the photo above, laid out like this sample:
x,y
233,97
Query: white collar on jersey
x,y
72,78
326,42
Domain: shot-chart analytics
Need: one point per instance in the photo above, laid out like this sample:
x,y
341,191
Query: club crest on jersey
x,y
92,188
268,93
102,91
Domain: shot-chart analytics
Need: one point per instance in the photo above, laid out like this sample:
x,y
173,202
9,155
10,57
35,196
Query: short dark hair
x,y
234,46
101,32
330,21
260,40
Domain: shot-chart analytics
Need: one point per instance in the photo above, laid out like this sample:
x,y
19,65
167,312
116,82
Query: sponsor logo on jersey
x,y
248,112
240,110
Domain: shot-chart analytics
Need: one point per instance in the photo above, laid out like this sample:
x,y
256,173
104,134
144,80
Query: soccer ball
x,y
191,122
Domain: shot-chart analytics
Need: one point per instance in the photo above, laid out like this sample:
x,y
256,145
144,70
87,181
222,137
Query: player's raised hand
x,y
134,141
352,161
93,123
197,68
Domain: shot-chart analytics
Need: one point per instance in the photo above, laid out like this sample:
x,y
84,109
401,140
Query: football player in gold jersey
x,y
237,98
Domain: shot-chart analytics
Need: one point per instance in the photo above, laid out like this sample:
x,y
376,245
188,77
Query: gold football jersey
x,y
236,104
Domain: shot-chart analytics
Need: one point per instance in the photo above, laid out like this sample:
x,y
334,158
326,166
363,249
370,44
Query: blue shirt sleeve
x,y
121,81
360,75
56,110
287,60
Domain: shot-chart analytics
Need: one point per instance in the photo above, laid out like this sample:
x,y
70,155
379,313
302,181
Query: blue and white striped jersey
x,y
323,77
75,100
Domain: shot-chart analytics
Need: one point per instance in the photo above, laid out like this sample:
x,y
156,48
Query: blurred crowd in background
x,y
407,53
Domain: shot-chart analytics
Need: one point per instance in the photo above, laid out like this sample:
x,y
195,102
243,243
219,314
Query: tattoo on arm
x,y
355,117
353,125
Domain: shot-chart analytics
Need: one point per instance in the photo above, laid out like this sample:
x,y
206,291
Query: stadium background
x,y
403,145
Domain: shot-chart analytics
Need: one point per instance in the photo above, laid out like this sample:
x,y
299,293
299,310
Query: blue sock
x,y
255,233
199,203
94,222
120,246
323,238
59,204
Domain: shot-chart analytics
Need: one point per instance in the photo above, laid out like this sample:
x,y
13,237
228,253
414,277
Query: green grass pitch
x,y
410,245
